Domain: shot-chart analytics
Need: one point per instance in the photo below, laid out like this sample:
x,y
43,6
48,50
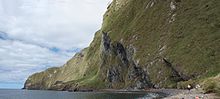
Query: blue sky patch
x,y
55,49
3,35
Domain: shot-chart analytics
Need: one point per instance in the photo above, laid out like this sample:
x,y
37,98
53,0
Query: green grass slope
x,y
158,43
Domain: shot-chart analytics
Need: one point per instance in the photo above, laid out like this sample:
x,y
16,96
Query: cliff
x,y
144,44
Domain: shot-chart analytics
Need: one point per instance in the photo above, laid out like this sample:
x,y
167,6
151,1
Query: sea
x,y
39,94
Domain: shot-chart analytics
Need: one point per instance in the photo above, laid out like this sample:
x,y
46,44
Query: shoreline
x,y
167,93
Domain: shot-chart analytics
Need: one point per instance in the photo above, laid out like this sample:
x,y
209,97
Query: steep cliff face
x,y
144,44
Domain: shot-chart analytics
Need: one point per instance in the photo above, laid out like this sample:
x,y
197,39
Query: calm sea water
x,y
35,94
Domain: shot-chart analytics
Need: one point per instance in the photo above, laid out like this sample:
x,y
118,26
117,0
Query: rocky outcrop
x,y
124,69
113,75
142,79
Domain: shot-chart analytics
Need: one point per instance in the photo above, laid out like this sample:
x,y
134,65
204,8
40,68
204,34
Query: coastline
x,y
169,93
166,93
173,93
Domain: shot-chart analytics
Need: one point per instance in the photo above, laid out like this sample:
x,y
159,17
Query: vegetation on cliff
x,y
144,44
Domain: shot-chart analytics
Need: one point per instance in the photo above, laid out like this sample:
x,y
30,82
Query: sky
x,y
38,34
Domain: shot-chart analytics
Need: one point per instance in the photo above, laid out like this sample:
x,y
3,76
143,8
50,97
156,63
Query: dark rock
x,y
176,74
138,74
135,72
126,66
58,82
121,52
177,1
106,41
113,75
85,90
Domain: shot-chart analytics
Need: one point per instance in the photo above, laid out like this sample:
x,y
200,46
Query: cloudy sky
x,y
37,34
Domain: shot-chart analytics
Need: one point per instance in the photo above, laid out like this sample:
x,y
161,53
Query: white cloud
x,y
35,27
18,59
53,22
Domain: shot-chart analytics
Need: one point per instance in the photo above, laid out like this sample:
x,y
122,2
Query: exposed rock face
x,y
142,79
124,69
143,44
113,75
120,51
106,42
